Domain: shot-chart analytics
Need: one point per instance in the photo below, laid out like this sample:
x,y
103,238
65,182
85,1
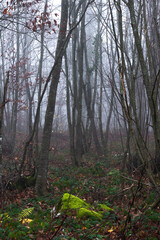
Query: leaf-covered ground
x,y
95,181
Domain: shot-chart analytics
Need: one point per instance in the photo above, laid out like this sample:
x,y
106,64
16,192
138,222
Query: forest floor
x,y
95,181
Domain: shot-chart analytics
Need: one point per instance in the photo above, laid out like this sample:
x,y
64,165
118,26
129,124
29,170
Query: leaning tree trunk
x,y
42,163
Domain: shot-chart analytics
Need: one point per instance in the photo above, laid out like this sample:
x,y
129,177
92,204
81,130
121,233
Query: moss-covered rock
x,y
83,212
70,201
105,208
73,205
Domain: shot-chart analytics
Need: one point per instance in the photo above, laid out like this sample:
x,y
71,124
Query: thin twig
x,y
58,229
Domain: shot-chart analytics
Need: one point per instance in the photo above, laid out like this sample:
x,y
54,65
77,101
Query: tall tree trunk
x,y
40,77
71,121
72,114
42,163
79,142
90,103
151,84
29,94
2,105
74,87
15,104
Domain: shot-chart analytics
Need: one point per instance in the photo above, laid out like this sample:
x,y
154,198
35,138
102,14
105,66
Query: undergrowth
x,y
24,215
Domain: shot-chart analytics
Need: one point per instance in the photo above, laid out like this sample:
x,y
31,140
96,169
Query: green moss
x,y
71,204
83,212
104,207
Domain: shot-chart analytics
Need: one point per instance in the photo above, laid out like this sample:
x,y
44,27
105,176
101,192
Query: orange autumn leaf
x,y
84,228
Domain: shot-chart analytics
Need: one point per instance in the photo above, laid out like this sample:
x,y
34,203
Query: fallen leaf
x,y
111,230
26,221
84,228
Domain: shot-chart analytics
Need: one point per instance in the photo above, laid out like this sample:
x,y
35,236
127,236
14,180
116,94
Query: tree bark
x,y
42,163
79,142
40,77
2,105
15,104
151,84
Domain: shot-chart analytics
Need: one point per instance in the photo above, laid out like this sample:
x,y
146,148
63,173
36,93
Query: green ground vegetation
x,y
121,208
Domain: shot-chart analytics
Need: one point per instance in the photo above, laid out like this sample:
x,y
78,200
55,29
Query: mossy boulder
x,y
105,208
73,205
70,201
83,212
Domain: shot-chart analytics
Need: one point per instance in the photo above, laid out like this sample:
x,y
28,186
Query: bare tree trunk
x,y
151,84
90,104
73,100
63,45
2,105
40,77
42,163
79,142
15,104
29,94
75,86
71,121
